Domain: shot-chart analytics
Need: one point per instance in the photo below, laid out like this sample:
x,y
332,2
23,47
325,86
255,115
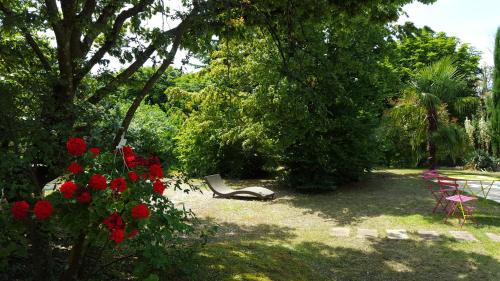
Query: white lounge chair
x,y
216,184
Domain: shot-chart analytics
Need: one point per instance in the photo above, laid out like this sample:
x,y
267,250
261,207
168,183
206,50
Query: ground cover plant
x,y
308,97
106,201
289,238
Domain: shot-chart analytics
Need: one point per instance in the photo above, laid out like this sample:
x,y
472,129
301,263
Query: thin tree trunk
x,y
40,252
148,86
74,261
432,126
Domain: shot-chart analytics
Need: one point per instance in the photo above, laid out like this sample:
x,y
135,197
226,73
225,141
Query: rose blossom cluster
x,y
82,186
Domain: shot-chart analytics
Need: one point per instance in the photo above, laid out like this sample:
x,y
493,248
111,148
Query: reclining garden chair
x,y
216,184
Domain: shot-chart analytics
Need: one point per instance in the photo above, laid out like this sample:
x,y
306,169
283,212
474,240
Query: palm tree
x,y
432,86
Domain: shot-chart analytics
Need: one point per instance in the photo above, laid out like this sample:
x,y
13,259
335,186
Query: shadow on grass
x,y
237,232
277,258
382,194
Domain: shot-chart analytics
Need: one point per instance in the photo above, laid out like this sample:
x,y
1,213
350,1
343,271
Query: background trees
x,y
309,106
495,103
433,86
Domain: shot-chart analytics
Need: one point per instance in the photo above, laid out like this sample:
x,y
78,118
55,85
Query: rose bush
x,y
110,205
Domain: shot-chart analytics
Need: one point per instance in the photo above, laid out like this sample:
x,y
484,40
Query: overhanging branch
x,y
129,71
112,37
29,38
94,28
147,87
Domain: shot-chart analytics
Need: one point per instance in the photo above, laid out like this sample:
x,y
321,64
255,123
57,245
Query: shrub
x,y
112,201
481,160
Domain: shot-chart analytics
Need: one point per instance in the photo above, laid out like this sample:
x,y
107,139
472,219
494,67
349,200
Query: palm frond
x,y
440,79
467,105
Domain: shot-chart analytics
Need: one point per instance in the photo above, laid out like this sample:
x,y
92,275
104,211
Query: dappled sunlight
x,y
289,238
386,260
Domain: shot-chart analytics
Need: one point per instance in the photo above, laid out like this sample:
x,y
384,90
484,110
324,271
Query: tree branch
x,y
29,38
53,14
95,28
113,35
69,10
147,87
87,10
124,75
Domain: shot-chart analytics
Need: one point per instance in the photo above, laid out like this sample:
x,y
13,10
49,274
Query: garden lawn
x,y
289,238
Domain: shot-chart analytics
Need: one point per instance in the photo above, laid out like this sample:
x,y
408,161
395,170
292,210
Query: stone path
x,y
429,235
402,234
340,231
398,234
367,233
493,237
462,236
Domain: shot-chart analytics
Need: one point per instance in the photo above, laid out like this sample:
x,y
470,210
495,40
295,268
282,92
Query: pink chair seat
x,y
460,198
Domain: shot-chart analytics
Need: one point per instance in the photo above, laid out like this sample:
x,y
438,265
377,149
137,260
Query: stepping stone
x,y
462,236
340,231
367,233
494,237
397,234
429,235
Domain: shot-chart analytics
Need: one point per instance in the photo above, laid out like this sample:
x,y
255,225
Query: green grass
x,y
288,238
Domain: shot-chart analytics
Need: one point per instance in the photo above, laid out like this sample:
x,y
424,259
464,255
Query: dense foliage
x,y
419,47
423,115
111,200
316,126
495,103
313,92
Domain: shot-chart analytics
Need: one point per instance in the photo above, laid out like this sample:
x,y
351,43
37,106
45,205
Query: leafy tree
x,y
419,47
495,106
432,86
314,112
60,80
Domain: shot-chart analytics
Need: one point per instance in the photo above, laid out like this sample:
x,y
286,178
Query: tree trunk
x,y
432,126
40,252
74,261
58,118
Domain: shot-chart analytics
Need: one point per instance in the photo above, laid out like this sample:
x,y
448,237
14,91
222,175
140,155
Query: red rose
x,y
84,197
97,182
141,161
119,184
133,233
95,151
154,160
155,172
133,176
76,146
117,235
158,187
20,209
43,209
129,157
75,168
144,176
140,211
114,221
67,189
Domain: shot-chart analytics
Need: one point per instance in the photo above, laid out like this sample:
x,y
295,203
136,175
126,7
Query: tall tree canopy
x,y
495,110
56,77
419,47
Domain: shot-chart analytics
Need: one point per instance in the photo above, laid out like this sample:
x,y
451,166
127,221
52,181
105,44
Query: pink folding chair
x,y
460,205
430,174
438,192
